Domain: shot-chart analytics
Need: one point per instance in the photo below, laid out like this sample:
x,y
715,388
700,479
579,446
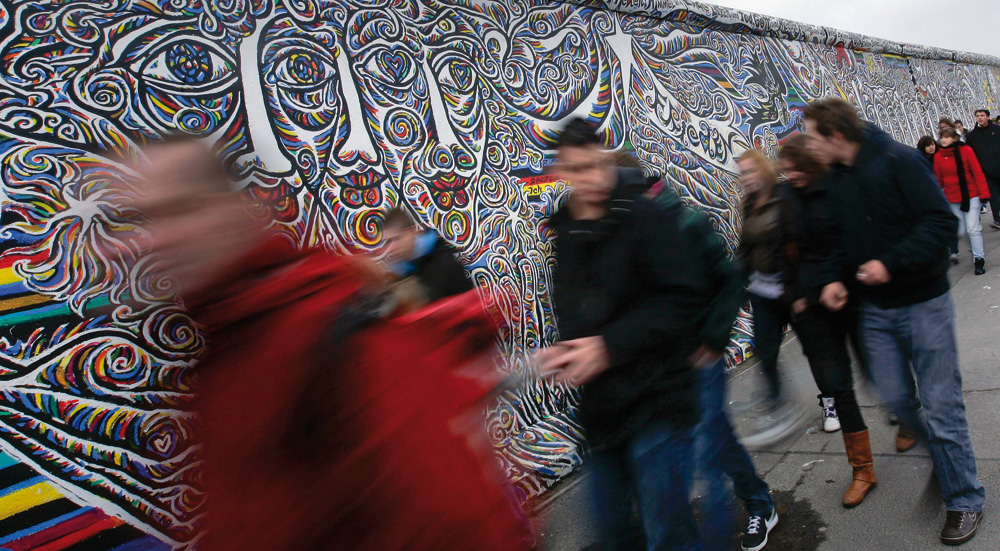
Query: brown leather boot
x,y
859,455
905,439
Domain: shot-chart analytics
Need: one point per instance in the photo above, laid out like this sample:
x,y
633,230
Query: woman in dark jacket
x,y
824,334
762,253
960,176
928,147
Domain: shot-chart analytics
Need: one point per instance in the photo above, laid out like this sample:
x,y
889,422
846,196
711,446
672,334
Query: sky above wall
x,y
967,25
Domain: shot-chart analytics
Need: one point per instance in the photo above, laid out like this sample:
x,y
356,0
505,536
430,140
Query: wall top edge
x,y
711,16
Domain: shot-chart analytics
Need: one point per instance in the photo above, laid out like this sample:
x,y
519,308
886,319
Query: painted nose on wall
x,y
266,153
358,145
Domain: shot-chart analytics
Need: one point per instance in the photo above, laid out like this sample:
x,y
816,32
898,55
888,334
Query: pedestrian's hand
x,y
575,362
834,296
800,306
705,357
874,272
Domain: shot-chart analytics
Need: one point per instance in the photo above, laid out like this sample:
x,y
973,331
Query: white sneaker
x,y
831,423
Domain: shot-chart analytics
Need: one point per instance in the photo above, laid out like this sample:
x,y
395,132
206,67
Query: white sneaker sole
x,y
769,524
831,429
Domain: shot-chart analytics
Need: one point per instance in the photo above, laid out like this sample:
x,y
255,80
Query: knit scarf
x,y
963,182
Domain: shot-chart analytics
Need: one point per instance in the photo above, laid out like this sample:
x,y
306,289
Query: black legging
x,y
769,319
824,337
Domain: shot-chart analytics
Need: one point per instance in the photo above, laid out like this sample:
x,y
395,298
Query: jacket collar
x,y
621,205
873,145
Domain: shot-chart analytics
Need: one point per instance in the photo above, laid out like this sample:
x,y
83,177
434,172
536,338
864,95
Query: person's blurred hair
x,y
948,132
397,218
987,111
768,172
946,121
796,151
836,115
203,170
624,159
578,132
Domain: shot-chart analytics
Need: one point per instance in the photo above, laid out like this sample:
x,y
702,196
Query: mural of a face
x,y
330,113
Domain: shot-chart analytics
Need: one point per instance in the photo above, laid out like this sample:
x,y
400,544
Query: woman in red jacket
x,y
964,184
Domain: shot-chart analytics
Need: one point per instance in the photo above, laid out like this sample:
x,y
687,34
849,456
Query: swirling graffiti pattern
x,y
332,112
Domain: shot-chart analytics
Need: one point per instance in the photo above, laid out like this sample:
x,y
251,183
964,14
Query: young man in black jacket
x,y
633,296
985,141
896,226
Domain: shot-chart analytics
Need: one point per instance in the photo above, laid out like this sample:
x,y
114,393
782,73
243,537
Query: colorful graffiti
x,y
330,113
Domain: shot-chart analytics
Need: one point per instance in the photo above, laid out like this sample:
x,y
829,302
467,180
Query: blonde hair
x,y
767,168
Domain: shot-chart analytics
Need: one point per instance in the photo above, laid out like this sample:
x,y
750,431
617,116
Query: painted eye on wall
x,y
304,69
186,65
304,79
394,68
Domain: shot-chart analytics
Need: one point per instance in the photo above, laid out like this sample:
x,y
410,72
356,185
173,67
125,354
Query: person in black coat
x,y
631,298
822,333
985,141
896,227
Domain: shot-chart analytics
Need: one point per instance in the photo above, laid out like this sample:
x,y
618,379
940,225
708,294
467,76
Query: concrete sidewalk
x,y
808,472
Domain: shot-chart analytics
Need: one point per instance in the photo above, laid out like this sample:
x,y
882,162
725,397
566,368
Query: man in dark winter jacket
x,y
985,141
896,226
631,301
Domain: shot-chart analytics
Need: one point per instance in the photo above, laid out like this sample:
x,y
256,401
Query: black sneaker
x,y
980,265
995,225
960,527
758,529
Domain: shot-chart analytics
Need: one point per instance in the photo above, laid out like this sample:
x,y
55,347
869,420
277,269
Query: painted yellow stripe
x,y
25,499
7,275
20,302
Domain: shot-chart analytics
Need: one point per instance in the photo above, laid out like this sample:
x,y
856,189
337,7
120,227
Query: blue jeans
x,y
719,454
919,340
654,466
969,224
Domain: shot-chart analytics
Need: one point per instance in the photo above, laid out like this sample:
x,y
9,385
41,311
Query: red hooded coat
x,y
946,171
354,445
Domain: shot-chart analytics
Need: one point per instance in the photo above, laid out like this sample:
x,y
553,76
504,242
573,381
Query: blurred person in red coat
x,y
965,187
330,420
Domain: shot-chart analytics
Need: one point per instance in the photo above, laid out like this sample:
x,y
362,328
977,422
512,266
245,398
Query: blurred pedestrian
x,y
824,334
631,301
424,264
959,174
985,141
895,239
945,122
329,420
764,256
720,454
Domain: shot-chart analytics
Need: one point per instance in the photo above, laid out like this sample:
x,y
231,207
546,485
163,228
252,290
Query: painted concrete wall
x,y
330,113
